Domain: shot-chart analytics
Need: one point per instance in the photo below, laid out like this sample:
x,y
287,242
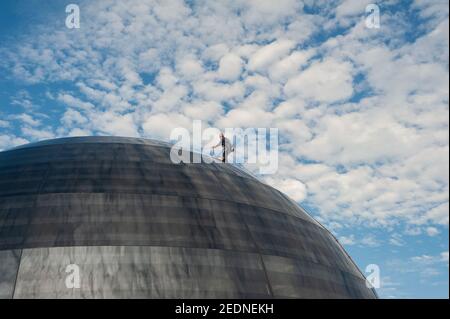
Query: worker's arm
x,y
218,144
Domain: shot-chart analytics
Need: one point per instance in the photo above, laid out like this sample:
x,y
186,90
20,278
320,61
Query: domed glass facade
x,y
138,226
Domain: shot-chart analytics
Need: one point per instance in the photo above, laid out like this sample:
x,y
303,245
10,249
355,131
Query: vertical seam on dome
x,y
258,251
17,274
38,191
269,285
349,257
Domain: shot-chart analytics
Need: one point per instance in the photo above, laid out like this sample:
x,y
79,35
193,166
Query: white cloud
x,y
215,52
166,78
431,260
230,67
206,111
170,99
110,123
425,266
289,66
370,241
437,215
413,231
396,240
72,117
219,92
76,132
326,81
71,101
269,54
189,67
160,125
24,100
37,134
9,141
291,187
432,231
347,240
429,9
27,119
352,7
245,117
261,12
444,256
361,137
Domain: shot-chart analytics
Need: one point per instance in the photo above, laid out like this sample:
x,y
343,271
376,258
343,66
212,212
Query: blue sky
x,y
362,113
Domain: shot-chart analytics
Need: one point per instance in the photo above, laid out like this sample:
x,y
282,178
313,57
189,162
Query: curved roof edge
x,y
116,140
94,139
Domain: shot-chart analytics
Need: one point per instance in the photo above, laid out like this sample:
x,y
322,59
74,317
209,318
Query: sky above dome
x,y
362,113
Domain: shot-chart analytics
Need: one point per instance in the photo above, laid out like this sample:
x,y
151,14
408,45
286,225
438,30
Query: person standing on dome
x,y
227,148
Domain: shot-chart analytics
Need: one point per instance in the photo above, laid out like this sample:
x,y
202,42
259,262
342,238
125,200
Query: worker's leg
x,y
224,159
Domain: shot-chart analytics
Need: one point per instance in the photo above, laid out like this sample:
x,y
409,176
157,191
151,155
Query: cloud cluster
x,y
362,113
426,266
